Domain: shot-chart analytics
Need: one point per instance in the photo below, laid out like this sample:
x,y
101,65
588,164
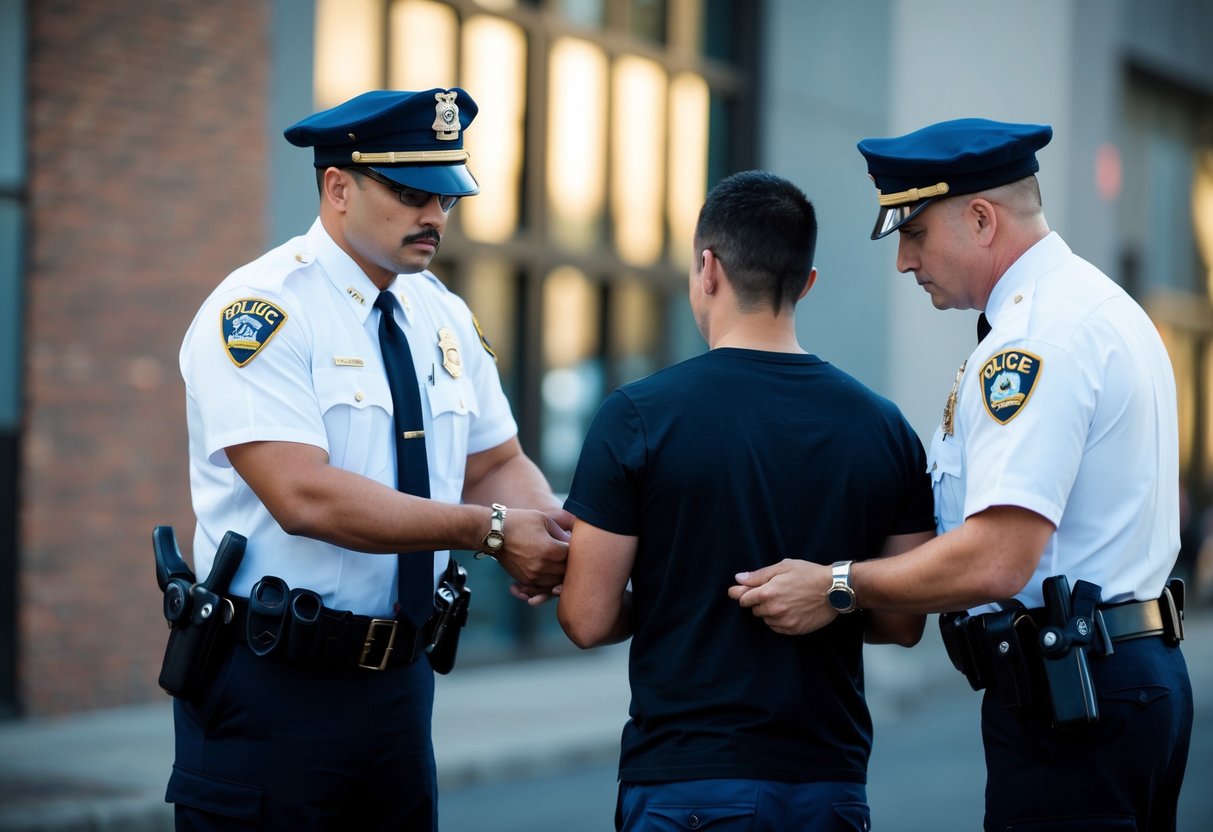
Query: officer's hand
x,y
790,596
536,548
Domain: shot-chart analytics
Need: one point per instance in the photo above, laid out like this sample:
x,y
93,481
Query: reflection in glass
x,y
647,19
635,330
1202,212
490,291
576,144
494,72
572,383
421,63
688,153
637,158
588,13
348,52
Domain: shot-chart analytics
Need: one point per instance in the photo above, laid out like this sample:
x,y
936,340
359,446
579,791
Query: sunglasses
x,y
412,197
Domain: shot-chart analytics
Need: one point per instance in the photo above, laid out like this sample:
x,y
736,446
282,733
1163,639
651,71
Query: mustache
x,y
428,234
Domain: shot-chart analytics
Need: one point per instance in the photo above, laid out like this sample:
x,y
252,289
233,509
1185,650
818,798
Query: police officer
x,y
345,414
1057,456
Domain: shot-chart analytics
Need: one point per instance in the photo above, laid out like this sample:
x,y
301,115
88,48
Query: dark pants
x,y
1122,772
273,747
743,805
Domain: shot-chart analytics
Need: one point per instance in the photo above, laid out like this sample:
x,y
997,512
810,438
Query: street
x,y
927,773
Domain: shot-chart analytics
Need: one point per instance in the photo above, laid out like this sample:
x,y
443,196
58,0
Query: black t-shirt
x,y
728,462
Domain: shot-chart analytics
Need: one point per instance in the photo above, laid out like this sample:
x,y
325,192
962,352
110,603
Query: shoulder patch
x,y
484,342
1007,380
247,325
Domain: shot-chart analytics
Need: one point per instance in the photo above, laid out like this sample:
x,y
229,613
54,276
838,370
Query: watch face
x,y
841,600
494,540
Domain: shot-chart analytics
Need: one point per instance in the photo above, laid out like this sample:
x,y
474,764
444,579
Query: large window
x,y
601,125
1166,227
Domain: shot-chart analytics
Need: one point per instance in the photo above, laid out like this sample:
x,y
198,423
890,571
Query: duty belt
x,y
1015,651
315,637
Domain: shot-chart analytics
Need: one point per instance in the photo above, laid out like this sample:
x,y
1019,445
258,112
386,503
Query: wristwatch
x,y
840,595
494,541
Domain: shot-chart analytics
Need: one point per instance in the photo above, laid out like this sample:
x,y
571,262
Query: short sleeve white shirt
x,y
316,376
1067,408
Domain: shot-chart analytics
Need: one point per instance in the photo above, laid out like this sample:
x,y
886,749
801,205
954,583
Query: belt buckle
x,y
371,639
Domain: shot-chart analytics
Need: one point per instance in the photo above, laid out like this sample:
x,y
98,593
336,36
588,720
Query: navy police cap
x,y
946,159
412,138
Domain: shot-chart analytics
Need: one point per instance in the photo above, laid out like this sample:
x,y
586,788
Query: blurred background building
x,y
141,160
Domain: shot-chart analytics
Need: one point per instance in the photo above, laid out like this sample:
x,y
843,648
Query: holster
x,y
450,615
1074,628
197,613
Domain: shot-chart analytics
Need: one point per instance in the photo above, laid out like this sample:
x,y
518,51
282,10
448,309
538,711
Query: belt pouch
x,y
305,608
1008,668
266,625
956,630
1172,603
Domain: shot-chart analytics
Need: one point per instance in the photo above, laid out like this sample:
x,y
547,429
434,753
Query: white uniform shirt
x,y
301,320
1067,408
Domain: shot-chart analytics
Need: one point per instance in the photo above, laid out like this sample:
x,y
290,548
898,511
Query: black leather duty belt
x,y
1142,619
314,637
1161,616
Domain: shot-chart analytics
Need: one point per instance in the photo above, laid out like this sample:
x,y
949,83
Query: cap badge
x,y
1007,380
248,325
446,117
451,362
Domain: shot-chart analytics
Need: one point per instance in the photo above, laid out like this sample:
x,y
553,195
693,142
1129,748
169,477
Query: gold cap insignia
x,y
446,117
451,362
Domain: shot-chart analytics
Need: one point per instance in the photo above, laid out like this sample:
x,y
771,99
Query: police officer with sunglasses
x,y
346,416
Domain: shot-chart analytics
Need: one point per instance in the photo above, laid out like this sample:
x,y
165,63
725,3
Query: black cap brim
x,y
451,180
892,217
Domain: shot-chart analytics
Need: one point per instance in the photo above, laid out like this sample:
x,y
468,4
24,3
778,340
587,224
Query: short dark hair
x,y
763,229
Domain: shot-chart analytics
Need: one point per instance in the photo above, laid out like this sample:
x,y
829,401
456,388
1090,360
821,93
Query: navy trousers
x,y
271,747
743,806
1121,773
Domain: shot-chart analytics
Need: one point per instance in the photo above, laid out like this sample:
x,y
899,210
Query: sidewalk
x,y
107,770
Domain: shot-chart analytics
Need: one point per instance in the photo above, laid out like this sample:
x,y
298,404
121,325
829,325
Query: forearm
x,y
311,498
590,629
516,481
505,474
990,557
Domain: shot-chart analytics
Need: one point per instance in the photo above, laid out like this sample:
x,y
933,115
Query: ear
x,y
808,284
982,218
337,185
709,271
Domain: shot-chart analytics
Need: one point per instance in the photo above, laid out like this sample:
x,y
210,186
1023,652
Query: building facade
x,y
141,160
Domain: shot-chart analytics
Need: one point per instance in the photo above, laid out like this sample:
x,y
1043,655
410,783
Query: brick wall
x,y
147,185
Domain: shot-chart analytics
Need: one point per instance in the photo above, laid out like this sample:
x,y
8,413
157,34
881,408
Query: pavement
x,y
106,770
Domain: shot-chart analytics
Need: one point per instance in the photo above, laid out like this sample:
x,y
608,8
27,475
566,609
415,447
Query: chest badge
x,y
1007,380
247,325
451,361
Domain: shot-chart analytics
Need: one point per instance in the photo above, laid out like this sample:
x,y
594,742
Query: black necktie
x,y
416,581
983,327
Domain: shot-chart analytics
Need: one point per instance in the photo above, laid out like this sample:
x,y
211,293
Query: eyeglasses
x,y
412,197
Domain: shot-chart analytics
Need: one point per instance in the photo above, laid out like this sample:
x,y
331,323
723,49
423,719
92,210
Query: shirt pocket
x,y
945,464
356,406
453,407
